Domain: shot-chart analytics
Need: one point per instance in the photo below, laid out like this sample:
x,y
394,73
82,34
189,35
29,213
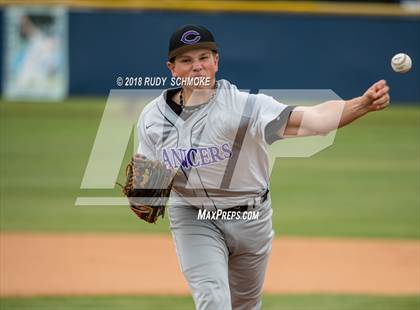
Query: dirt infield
x,y
70,264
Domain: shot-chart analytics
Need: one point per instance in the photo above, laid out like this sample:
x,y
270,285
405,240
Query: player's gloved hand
x,y
148,186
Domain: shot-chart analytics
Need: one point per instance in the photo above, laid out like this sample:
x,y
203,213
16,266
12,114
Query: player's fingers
x,y
382,106
381,101
378,85
139,160
383,91
370,94
139,156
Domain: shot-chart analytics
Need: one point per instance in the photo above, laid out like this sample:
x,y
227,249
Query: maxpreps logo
x,y
196,156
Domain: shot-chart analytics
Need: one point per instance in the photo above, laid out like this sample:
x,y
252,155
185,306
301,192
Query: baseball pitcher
x,y
204,144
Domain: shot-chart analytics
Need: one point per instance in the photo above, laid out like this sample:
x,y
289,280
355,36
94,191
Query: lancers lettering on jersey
x,y
196,156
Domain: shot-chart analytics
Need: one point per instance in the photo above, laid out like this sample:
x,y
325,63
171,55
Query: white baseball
x,y
401,63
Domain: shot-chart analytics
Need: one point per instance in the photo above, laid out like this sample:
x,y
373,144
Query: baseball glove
x,y
147,187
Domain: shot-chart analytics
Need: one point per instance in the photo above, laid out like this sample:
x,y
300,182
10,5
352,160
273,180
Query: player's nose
x,y
197,66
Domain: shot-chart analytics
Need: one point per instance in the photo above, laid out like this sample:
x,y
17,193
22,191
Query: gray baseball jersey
x,y
221,149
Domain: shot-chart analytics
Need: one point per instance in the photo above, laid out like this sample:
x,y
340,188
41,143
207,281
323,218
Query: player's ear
x,y
171,67
216,60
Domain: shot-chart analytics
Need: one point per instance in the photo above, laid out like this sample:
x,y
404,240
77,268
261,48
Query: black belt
x,y
243,208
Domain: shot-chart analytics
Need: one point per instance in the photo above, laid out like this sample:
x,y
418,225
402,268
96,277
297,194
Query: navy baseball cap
x,y
190,37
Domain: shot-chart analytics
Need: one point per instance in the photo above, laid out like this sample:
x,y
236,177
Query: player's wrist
x,y
358,106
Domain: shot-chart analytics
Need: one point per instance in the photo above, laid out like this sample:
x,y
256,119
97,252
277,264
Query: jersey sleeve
x,y
146,146
268,117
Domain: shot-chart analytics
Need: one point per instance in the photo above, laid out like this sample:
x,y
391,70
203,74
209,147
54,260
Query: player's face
x,y
195,63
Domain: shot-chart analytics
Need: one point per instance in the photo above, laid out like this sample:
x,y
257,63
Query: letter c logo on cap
x,y
190,37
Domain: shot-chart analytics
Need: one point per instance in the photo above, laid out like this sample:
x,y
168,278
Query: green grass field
x,y
270,302
364,185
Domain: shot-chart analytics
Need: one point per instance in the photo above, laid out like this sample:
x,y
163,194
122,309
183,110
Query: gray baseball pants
x,y
224,261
